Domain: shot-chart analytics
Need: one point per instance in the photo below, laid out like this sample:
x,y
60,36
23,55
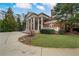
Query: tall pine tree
x,y
9,21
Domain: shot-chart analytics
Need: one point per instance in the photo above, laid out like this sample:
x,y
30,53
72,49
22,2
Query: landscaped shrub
x,y
47,31
61,31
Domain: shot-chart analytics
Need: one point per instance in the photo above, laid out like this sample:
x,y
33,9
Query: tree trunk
x,y
71,29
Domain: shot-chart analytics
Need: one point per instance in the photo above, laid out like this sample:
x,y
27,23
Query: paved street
x,y
10,46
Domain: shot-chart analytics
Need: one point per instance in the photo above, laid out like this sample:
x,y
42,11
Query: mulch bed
x,y
73,33
26,39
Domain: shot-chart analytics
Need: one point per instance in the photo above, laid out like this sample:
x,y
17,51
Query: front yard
x,y
56,41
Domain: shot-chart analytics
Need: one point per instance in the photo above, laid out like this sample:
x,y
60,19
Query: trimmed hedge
x,y
47,31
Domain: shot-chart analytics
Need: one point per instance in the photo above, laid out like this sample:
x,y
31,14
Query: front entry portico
x,y
35,22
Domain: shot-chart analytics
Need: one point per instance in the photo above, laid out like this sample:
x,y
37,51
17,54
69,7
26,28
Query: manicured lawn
x,y
56,41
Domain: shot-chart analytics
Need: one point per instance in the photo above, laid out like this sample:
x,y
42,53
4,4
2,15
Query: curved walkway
x,y
9,45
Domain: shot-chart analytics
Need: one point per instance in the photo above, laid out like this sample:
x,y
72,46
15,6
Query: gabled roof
x,y
29,14
44,14
52,21
32,13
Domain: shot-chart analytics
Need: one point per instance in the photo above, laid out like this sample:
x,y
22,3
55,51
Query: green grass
x,y
56,41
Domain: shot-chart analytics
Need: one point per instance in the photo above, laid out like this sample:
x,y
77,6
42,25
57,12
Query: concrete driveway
x,y
10,46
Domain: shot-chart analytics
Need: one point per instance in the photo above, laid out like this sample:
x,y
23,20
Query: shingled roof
x,y
32,13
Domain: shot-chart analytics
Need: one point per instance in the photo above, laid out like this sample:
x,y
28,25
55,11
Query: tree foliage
x,y
19,25
69,13
66,9
9,21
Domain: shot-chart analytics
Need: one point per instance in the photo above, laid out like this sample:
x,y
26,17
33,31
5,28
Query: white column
x,y
26,26
30,24
34,23
38,24
41,22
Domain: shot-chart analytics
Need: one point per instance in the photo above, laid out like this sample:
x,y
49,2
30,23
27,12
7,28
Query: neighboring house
x,y
54,24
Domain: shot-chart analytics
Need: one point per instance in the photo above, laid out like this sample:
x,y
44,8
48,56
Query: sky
x,y
20,8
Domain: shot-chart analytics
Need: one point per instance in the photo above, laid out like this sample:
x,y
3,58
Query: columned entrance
x,y
34,22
